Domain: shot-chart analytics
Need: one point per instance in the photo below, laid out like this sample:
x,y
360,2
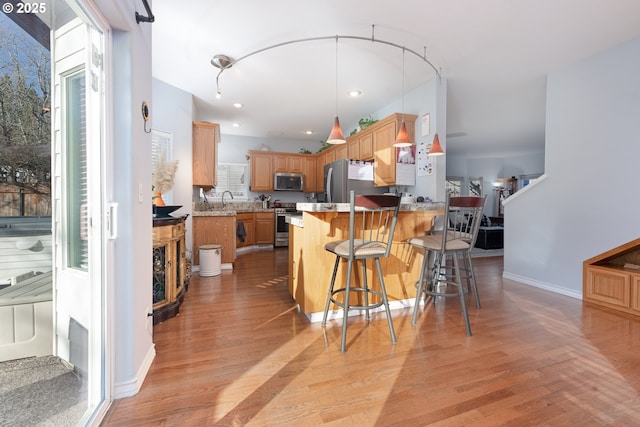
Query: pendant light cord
x,y
403,83
336,76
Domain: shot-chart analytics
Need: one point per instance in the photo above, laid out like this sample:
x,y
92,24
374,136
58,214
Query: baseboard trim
x,y
541,285
316,317
132,387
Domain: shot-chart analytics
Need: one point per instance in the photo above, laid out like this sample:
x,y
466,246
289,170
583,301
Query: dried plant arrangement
x,y
164,174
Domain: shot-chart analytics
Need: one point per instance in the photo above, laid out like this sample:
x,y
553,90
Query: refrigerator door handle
x,y
329,176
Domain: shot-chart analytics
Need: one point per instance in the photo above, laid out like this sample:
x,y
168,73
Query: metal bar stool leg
x,y
366,288
330,293
463,302
392,332
345,317
472,278
419,285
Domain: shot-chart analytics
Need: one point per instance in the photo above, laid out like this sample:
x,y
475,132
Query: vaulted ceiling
x,y
495,55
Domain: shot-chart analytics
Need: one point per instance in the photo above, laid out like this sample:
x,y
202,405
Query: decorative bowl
x,y
164,211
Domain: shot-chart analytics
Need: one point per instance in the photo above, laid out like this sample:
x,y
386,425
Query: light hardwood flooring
x,y
239,354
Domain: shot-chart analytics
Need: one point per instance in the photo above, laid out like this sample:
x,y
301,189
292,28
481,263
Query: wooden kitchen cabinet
x,y
248,219
385,155
322,159
215,230
261,169
280,162
309,163
288,163
258,226
341,152
264,228
205,138
384,134
365,146
353,150
611,279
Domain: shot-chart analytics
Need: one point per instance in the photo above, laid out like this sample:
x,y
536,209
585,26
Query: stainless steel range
x,y
282,228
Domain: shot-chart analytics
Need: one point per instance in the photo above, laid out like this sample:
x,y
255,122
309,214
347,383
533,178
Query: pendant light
x,y
336,136
402,140
436,148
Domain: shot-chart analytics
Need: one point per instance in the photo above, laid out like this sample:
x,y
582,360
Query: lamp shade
x,y
336,136
402,140
436,148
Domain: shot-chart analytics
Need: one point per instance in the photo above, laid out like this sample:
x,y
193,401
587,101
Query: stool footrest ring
x,y
358,307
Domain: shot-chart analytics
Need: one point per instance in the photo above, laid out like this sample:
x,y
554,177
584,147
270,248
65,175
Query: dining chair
x,y
372,221
456,239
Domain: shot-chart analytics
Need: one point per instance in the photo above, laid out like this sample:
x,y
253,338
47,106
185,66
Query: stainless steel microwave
x,y
288,181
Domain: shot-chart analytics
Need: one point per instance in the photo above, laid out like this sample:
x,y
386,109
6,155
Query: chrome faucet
x,y
224,205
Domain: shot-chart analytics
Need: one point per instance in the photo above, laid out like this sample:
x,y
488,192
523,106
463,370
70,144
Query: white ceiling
x,y
495,55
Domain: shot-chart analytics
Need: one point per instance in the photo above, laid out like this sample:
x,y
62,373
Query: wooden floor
x,y
240,355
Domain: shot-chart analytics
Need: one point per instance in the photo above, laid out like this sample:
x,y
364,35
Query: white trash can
x,y
210,260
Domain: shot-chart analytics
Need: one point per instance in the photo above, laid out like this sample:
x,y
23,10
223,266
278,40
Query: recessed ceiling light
x,y
238,105
236,125
355,93
308,132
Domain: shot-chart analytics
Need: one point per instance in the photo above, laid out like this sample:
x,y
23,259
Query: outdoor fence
x,y
18,201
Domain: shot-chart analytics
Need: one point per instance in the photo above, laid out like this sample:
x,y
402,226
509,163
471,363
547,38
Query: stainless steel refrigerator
x,y
343,176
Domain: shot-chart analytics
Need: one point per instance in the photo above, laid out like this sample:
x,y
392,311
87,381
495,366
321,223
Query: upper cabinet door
x,y
205,137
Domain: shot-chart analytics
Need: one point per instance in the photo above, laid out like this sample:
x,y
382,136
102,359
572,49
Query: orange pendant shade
x,y
402,140
436,148
336,136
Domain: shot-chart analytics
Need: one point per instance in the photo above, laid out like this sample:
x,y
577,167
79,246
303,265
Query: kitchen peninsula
x,y
310,265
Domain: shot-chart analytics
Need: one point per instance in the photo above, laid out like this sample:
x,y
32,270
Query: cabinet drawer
x,y
609,286
163,233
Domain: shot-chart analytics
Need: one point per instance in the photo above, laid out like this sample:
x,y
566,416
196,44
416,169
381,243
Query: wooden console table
x,y
169,267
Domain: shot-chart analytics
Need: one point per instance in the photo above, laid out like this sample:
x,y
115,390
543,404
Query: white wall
x,y
492,168
130,146
588,202
172,112
429,98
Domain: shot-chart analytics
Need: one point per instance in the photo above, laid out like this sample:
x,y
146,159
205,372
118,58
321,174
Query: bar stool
x,y
372,221
461,223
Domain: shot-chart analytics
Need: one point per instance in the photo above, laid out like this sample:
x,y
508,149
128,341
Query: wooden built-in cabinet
x,y
264,228
169,267
384,153
365,146
612,279
263,164
309,165
259,228
373,143
261,169
320,162
248,222
285,162
215,230
204,145
353,150
341,151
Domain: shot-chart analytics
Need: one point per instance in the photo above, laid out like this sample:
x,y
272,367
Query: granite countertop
x,y
344,207
232,209
215,213
294,219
